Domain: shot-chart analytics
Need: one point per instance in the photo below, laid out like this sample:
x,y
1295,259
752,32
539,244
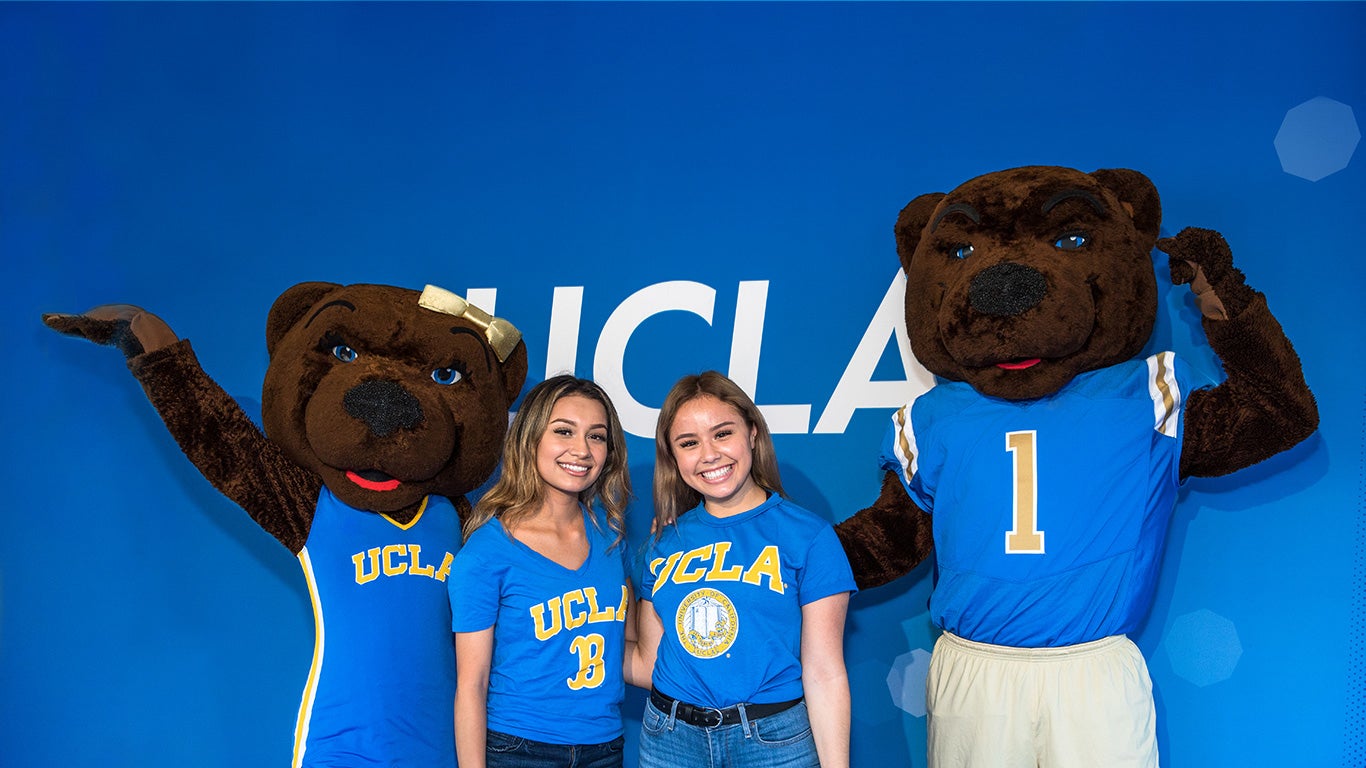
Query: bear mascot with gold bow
x,y
382,407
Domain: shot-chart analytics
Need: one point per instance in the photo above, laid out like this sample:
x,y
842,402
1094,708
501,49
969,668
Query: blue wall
x,y
673,163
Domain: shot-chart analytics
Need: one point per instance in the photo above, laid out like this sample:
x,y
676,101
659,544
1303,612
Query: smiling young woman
x,y
539,595
749,668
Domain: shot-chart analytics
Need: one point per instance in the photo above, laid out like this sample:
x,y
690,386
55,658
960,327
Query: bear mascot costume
x,y
1041,470
382,408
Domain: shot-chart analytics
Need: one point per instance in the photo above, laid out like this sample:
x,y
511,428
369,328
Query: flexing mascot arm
x,y
1264,405
221,441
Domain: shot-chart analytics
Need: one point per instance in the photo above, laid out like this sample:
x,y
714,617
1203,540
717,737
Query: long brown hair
x,y
673,497
519,490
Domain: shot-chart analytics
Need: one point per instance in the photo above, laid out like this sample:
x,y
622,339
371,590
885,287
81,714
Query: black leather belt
x,y
710,717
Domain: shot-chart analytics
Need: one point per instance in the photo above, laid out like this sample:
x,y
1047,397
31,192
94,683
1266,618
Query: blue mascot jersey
x,y
1049,514
729,592
558,633
381,690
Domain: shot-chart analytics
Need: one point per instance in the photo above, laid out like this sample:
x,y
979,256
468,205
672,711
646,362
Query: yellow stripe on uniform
x,y
412,522
311,689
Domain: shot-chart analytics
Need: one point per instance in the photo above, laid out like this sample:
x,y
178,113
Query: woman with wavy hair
x,y
742,602
539,594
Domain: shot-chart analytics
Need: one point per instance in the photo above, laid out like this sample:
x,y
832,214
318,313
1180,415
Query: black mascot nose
x,y
1006,290
383,405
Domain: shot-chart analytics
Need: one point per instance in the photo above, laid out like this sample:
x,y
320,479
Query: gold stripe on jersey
x,y
1164,391
319,636
905,442
416,517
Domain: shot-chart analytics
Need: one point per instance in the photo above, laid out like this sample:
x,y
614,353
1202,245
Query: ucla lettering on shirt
x,y
574,609
397,560
708,563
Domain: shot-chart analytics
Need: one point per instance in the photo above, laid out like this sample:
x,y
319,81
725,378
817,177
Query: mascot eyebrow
x,y
1069,194
488,362
338,303
962,208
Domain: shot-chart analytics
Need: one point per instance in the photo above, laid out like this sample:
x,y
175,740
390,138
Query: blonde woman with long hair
x,y
539,594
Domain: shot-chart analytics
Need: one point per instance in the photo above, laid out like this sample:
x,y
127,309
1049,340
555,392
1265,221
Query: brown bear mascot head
x,y
1017,281
388,396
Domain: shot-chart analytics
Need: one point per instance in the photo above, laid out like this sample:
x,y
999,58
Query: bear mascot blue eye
x,y
1072,241
446,376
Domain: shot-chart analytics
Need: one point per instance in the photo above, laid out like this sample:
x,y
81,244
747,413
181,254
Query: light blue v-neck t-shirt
x,y
558,633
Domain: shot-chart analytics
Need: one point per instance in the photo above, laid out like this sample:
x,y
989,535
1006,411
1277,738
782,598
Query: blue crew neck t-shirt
x,y
729,592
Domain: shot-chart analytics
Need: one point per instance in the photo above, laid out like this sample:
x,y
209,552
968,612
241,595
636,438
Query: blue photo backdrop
x,y
646,190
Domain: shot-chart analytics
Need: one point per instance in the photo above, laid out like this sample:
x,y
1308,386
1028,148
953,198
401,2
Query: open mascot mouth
x,y
373,480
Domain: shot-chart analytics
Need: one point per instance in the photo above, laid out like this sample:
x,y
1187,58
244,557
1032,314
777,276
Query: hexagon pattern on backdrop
x,y
1203,647
906,681
1317,138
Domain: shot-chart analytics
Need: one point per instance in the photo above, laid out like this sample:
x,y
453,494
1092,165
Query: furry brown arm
x,y
887,540
1264,406
226,447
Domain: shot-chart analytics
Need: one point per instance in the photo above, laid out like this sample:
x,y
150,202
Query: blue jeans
x,y
507,751
783,740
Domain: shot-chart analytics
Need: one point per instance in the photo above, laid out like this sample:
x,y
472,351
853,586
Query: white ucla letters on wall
x,y
856,388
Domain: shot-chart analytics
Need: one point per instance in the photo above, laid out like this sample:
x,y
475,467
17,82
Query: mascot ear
x,y
1139,195
911,223
290,307
514,372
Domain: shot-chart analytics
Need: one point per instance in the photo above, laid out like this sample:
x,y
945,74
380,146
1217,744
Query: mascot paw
x,y
131,329
1196,249
1202,258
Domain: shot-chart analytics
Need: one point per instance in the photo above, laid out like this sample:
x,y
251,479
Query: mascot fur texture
x,y
1042,468
380,413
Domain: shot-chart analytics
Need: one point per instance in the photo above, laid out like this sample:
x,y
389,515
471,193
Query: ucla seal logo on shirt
x,y
706,623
